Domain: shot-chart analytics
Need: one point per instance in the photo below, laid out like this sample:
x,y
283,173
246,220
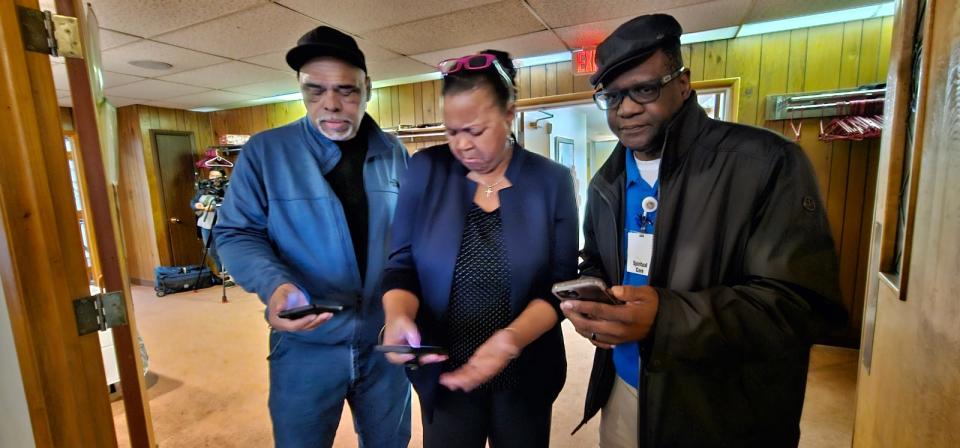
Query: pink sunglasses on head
x,y
474,62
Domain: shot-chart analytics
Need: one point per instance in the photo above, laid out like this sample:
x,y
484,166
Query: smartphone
x,y
313,308
590,289
410,350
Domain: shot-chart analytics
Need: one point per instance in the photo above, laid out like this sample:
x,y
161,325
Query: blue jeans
x,y
309,383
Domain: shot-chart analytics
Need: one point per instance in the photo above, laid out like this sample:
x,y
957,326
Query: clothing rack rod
x,y
835,104
828,96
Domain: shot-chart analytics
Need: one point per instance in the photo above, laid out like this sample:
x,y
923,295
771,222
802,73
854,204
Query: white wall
x,y
15,428
567,122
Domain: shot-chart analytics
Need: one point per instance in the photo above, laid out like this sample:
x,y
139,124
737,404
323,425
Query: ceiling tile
x,y
150,18
229,74
533,44
484,23
276,59
397,68
366,15
119,101
112,39
260,30
560,13
700,17
209,98
153,89
113,79
269,88
373,52
781,9
117,59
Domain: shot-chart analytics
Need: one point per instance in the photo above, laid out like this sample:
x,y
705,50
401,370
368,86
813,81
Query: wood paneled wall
x,y
141,202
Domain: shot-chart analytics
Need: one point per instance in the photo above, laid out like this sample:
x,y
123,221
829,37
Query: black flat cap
x,y
326,41
633,42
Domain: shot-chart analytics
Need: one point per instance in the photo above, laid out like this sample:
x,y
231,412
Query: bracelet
x,y
380,337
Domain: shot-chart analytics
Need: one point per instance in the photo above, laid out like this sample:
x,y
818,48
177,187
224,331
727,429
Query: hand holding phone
x,y
313,308
411,350
401,344
287,296
590,289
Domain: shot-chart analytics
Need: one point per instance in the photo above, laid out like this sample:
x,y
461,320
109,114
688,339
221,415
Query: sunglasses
x,y
642,93
475,62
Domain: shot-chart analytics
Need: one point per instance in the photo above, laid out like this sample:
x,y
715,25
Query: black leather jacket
x,y
745,267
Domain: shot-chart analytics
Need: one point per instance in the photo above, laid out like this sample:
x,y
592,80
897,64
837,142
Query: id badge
x,y
639,252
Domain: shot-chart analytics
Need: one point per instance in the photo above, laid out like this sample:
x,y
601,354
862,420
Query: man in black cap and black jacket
x,y
716,236
307,220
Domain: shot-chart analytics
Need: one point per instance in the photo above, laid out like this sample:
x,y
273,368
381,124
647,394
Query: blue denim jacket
x,y
281,222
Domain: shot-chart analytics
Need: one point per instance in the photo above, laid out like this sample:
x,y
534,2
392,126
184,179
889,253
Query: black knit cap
x,y
634,42
326,41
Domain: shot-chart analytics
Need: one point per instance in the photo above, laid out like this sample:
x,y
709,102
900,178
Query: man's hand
x,y
489,359
608,325
288,296
403,331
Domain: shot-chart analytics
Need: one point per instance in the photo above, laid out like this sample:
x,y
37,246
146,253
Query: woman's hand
x,y
489,359
403,331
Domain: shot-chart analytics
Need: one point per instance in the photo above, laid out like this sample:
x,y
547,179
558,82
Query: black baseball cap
x,y
634,42
326,41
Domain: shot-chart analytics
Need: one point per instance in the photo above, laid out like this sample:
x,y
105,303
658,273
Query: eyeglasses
x,y
475,62
642,93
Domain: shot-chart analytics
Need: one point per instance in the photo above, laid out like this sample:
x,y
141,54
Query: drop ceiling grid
x,y
117,59
560,13
227,74
251,32
480,24
155,17
367,15
538,43
692,18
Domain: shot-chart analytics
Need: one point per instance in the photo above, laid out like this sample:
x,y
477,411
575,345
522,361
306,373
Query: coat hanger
x,y
218,161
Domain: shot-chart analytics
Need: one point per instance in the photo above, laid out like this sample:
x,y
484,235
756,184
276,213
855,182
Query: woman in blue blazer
x,y
483,229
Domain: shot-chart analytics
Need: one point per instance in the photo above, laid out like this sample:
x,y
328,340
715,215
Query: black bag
x,y
173,279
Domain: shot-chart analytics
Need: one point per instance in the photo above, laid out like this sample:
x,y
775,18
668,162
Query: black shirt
x,y
480,294
346,179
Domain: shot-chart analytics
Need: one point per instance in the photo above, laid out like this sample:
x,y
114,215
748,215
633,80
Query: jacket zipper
x,y
642,435
616,225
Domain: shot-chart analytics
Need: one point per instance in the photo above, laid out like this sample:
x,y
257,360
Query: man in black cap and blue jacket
x,y
307,219
716,237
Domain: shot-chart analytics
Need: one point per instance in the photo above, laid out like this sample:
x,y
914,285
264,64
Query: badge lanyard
x,y
649,205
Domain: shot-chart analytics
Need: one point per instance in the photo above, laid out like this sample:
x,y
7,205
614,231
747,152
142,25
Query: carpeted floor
x,y
208,377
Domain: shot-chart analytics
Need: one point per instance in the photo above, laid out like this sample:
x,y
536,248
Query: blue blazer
x,y
539,215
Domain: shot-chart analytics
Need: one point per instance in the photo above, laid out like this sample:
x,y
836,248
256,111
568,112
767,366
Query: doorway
x,y
175,160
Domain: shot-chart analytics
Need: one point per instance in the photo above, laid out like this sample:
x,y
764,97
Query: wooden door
x,y
42,268
908,387
175,159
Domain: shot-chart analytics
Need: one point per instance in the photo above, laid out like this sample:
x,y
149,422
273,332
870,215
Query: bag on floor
x,y
173,279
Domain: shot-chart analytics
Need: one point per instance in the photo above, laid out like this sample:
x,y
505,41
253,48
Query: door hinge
x,y
99,312
45,32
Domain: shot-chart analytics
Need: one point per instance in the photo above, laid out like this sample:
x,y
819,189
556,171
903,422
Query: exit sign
x,y
584,62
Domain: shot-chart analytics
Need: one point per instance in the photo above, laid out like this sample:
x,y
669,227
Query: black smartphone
x,y
410,350
313,308
590,289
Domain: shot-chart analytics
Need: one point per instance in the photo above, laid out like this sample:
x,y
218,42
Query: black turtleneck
x,y
346,179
